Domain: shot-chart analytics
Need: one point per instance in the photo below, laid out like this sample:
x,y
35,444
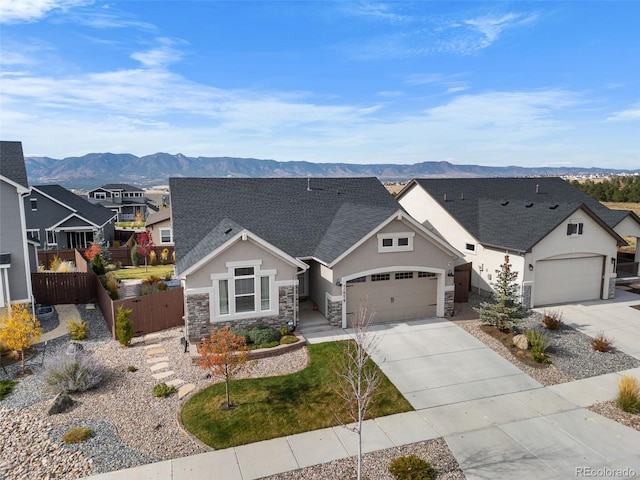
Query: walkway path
x,y
159,365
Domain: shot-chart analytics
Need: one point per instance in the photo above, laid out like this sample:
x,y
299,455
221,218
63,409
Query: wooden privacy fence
x,y
58,288
150,313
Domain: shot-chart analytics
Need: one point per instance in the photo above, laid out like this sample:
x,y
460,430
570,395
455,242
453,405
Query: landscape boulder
x,y
521,342
61,403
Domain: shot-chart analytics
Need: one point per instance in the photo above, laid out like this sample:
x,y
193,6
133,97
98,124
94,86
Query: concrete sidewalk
x,y
498,422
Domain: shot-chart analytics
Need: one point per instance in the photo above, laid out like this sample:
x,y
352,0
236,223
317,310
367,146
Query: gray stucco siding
x,y
12,241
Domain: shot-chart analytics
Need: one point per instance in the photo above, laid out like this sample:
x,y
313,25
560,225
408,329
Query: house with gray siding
x,y
17,254
248,250
60,219
127,201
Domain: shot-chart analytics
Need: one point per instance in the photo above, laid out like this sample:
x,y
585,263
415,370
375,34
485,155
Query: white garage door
x,y
394,296
567,280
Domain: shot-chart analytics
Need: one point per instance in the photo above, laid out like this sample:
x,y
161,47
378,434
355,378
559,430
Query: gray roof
x,y
513,213
160,216
120,186
321,221
12,163
95,213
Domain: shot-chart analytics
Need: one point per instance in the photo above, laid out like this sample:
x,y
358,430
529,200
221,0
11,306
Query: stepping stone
x,y
175,382
185,390
153,345
156,351
161,375
89,306
159,366
157,359
152,336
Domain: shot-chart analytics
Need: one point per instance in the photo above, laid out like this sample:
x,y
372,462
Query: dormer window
x,y
574,229
395,242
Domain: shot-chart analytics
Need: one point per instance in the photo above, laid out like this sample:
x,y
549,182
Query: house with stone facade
x,y
249,250
562,243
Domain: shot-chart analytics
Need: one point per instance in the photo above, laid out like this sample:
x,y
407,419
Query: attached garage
x,y
568,280
394,296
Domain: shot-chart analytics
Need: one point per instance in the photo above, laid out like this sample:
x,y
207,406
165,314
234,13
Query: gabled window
x,y
34,204
100,196
395,242
575,228
166,235
245,291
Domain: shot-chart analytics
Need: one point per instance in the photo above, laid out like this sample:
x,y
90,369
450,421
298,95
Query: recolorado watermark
x,y
604,472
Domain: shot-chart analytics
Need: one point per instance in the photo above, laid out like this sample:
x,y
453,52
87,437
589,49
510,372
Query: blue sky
x,y
491,83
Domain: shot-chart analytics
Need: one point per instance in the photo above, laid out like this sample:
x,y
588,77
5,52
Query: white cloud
x,y
376,11
15,11
160,56
629,114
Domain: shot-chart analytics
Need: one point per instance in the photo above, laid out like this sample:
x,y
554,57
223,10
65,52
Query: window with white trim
x,y
357,280
52,238
166,235
100,195
245,291
34,234
34,204
395,242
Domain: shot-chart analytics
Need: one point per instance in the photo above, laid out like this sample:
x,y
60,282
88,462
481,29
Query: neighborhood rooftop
x,y
12,163
318,217
514,213
96,214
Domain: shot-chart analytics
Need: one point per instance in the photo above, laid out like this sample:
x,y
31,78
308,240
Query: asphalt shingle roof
x,y
513,213
12,163
121,186
322,221
95,213
159,216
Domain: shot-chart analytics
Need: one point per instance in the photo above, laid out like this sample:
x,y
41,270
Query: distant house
x,y
562,243
159,223
249,249
128,202
60,219
18,256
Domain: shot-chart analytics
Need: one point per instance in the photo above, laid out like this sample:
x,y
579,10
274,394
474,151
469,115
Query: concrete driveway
x,y
615,318
499,423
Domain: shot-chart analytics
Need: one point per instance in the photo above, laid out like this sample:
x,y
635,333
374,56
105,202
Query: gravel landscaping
x,y
130,426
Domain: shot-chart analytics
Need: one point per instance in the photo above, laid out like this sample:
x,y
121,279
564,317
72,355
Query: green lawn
x,y
140,273
278,406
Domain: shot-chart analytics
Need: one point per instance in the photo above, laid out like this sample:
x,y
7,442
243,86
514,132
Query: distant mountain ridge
x,y
95,169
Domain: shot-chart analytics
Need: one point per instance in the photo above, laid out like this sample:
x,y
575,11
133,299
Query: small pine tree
x,y
505,310
135,256
124,326
98,265
98,239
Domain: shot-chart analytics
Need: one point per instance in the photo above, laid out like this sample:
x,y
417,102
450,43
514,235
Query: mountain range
x,y
95,169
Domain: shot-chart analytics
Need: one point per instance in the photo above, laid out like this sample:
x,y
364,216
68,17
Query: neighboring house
x,y
127,201
562,243
18,257
60,219
159,223
249,248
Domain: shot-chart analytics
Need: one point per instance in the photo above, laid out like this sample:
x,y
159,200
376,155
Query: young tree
x,y
358,377
124,326
145,245
505,311
19,329
98,239
223,354
91,252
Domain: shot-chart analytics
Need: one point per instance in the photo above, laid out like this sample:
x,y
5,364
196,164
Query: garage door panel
x,y
394,300
568,280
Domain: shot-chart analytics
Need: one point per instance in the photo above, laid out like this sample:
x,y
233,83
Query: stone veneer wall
x,y
612,287
526,296
448,303
334,313
198,323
